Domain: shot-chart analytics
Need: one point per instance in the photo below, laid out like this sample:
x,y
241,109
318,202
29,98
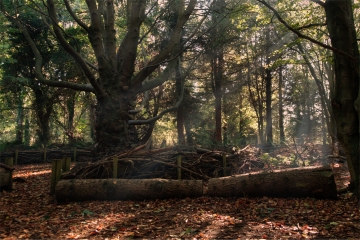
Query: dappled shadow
x,y
30,212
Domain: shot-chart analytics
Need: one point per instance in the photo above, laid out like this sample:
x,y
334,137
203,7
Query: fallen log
x,y
124,189
299,183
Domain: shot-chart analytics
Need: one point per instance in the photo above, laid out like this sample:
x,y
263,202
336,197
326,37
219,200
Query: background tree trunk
x,y
20,119
43,106
281,110
180,110
268,93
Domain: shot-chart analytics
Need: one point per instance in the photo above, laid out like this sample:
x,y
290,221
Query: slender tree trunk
x,y
92,117
323,97
268,80
180,110
180,125
27,132
323,128
20,120
261,125
151,127
332,124
70,107
225,126
189,138
281,110
340,22
217,67
217,59
269,135
260,99
242,140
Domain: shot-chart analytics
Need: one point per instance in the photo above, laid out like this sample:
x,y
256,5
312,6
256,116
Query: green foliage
x,y
238,28
86,213
280,160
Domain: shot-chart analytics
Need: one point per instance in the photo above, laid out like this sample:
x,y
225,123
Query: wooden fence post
x,y
74,157
115,167
44,154
224,164
55,174
9,161
178,160
16,156
65,164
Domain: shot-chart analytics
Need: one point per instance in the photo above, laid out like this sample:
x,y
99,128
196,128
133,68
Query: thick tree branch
x,y
38,60
95,35
311,25
300,35
127,51
157,81
110,33
92,65
164,76
164,54
52,12
73,15
148,121
144,101
152,25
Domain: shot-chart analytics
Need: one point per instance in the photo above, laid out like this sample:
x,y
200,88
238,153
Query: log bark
x,y
300,183
126,189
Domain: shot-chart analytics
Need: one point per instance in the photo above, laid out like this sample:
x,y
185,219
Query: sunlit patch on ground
x,y
30,173
29,212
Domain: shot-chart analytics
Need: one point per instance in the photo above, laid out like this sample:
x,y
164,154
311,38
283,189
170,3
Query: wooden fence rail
x,y
46,155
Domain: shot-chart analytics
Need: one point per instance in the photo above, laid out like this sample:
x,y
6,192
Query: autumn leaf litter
x,y
30,212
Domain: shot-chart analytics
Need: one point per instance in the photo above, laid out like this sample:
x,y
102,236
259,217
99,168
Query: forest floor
x,y
30,212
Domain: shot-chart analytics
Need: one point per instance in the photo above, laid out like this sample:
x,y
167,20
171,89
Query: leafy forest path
x,y
29,212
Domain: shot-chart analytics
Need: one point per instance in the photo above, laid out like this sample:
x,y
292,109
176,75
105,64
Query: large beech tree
x,y
114,77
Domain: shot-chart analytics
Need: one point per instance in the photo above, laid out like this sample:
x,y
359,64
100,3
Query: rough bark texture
x,y
340,22
301,182
180,118
268,91
124,189
43,106
281,110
